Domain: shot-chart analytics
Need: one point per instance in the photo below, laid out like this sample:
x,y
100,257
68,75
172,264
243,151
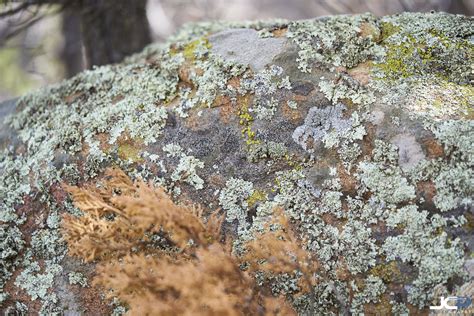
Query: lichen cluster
x,y
337,41
361,129
264,85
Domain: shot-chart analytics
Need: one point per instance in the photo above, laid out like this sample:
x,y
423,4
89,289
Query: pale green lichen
x,y
41,262
292,104
359,249
36,280
233,199
387,183
13,185
331,203
335,41
186,170
297,196
172,150
47,244
11,244
264,211
454,186
77,278
265,33
330,295
214,71
140,120
265,85
346,88
213,81
452,178
18,309
329,126
440,100
119,311
371,292
399,309
283,284
119,308
436,257
385,180
454,182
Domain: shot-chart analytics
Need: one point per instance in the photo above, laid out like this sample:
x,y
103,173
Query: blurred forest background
x,y
45,41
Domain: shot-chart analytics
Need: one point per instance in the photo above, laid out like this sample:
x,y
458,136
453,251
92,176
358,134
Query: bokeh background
x,y
42,41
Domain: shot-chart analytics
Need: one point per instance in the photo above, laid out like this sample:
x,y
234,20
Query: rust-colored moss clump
x,y
161,258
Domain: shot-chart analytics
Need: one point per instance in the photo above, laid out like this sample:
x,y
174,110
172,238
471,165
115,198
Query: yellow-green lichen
x,y
245,121
129,151
256,197
293,162
424,50
401,59
388,272
388,29
195,47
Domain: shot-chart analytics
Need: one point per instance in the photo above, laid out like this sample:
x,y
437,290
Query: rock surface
x,y
360,127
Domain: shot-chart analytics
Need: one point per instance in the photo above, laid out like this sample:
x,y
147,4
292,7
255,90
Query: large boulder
x,y
360,127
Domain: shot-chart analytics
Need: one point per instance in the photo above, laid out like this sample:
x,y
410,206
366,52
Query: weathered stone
x,y
359,127
246,47
410,152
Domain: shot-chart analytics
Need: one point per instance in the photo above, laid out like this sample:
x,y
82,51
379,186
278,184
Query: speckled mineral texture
x,y
360,127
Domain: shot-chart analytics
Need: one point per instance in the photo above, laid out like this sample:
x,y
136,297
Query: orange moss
x,y
433,148
294,115
387,272
361,72
280,32
192,272
384,307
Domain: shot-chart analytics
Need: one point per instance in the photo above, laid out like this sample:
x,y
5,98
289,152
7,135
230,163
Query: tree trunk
x,y
71,53
113,29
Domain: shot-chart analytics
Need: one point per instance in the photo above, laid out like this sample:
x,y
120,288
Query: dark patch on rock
x,y
302,87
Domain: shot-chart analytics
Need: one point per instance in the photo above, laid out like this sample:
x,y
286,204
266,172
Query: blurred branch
x,y
336,7
10,34
15,27
328,7
405,5
110,29
15,10
363,5
19,19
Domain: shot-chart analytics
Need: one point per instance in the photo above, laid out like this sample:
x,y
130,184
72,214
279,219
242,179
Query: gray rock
x,y
246,47
344,163
409,151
